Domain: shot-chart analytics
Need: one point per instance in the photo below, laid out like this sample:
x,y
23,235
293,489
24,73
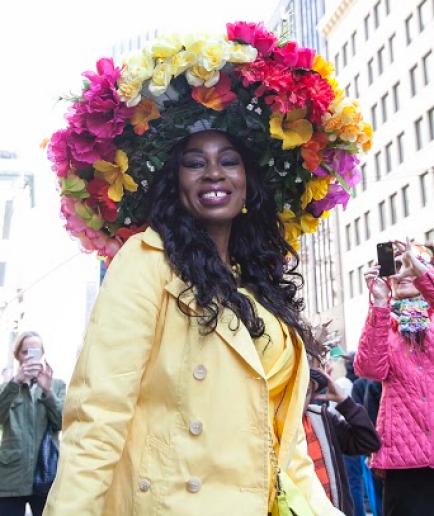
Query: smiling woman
x,y
196,166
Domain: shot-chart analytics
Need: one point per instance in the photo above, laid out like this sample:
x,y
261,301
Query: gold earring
x,y
244,210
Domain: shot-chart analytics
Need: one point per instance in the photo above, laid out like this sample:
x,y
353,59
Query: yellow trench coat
x,y
161,421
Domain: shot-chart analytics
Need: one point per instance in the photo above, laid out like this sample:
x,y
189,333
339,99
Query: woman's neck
x,y
220,234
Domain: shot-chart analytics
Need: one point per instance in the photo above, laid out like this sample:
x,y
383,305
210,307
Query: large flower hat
x,y
281,100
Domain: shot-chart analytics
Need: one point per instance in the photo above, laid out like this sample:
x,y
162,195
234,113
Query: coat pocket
x,y
9,456
11,470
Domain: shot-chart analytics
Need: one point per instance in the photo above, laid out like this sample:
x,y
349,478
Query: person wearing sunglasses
x,y
397,348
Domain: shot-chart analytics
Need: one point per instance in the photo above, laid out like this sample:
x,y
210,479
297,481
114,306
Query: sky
x,y
45,45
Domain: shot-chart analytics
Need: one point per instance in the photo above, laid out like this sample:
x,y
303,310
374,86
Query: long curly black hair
x,y
256,245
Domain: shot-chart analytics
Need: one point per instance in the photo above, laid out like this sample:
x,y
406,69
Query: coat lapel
x,y
238,338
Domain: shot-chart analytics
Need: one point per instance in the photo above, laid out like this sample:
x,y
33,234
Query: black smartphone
x,y
386,259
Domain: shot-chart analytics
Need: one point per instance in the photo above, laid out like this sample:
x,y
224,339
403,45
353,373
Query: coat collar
x,y
238,339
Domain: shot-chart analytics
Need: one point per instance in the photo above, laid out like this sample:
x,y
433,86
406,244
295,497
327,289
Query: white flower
x,y
286,165
298,180
150,166
286,206
145,184
282,173
271,162
258,110
249,107
254,100
127,221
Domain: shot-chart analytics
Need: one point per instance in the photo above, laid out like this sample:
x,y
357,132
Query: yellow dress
x,y
276,353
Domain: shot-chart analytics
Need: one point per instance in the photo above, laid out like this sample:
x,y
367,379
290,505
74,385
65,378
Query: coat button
x,y
195,427
194,485
200,372
145,485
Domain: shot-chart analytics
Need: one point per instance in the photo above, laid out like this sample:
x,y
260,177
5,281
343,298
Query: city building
x,y
383,55
320,253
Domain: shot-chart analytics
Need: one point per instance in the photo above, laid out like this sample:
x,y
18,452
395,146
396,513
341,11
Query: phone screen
x,y
34,353
386,259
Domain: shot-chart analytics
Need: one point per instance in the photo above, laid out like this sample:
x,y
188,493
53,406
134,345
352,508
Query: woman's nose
x,y
213,172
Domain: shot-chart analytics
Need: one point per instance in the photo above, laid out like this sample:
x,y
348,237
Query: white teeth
x,y
214,195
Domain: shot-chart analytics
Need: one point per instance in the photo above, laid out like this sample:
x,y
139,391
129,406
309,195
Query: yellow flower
x,y
316,189
286,215
137,69
323,67
293,129
239,53
309,223
161,78
213,55
292,233
182,61
115,175
198,76
166,46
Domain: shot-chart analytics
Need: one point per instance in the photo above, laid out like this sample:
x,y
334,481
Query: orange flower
x,y
145,111
311,151
217,97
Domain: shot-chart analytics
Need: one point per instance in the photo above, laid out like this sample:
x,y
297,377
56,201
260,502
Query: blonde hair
x,y
21,338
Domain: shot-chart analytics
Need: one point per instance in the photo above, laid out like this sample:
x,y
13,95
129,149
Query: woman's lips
x,y
214,198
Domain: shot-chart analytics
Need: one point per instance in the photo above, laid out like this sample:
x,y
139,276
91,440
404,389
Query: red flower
x,y
125,233
217,97
98,189
305,57
254,34
311,151
287,55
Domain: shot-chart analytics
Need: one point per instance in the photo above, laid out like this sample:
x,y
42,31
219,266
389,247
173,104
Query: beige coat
x,y
161,421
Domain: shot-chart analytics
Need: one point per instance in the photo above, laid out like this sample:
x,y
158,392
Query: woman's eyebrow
x,y
200,151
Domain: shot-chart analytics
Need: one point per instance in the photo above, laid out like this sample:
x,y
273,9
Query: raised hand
x,y
377,286
28,369
334,392
45,378
411,265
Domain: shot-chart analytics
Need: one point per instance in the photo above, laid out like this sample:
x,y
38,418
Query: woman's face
x,y
212,178
404,288
29,342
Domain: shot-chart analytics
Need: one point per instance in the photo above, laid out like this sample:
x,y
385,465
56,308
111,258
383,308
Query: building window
x,y
409,29
377,159
405,201
392,40
344,54
366,25
374,116
384,107
2,273
427,65
400,146
367,225
360,278
377,15
380,60
388,157
431,123
395,90
348,236
7,218
392,204
422,14
347,89
413,82
382,215
387,7
423,178
337,63
353,43
370,70
351,283
356,86
357,231
429,236
418,133
364,177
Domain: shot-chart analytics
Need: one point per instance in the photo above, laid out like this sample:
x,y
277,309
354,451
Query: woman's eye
x,y
232,162
193,164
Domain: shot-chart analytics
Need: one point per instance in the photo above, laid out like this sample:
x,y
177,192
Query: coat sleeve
x,y
54,405
425,285
104,388
302,472
8,392
355,433
372,357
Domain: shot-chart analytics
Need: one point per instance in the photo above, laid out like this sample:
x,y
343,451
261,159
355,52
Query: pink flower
x,y
86,149
58,152
254,34
305,57
335,195
287,55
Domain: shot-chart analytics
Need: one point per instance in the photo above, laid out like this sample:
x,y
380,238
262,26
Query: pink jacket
x,y
406,417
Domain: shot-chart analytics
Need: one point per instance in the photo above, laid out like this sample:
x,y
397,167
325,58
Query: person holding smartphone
x,y
397,348
30,402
